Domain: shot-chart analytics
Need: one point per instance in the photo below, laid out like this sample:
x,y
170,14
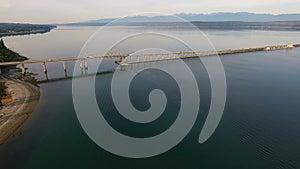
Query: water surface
x,y
259,128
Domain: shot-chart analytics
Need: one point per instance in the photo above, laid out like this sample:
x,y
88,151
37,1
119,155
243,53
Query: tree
x,y
2,45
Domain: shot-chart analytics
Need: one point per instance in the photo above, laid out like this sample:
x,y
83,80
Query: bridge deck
x,y
58,60
183,55
139,58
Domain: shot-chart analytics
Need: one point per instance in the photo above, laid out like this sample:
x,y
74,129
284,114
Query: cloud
x,y
5,4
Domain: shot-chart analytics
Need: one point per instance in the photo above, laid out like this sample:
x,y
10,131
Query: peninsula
x,y
10,29
18,99
7,55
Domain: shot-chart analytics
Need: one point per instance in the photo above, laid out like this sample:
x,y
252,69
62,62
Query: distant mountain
x,y
214,17
240,16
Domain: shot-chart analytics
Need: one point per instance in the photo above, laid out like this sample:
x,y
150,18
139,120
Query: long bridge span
x,y
141,58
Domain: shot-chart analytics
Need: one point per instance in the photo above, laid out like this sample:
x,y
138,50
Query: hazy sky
x,y
62,11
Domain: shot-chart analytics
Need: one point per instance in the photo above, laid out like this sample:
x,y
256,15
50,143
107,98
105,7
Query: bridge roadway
x,y
58,60
140,58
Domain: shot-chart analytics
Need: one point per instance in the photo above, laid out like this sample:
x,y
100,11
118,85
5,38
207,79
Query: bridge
x,y
124,60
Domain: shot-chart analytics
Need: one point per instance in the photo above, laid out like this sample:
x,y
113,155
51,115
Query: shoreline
x,y
25,97
14,29
24,33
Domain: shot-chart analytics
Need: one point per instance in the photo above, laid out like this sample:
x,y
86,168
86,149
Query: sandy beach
x,y
25,97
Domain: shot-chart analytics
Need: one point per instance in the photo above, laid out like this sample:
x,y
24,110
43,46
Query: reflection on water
x,y
259,129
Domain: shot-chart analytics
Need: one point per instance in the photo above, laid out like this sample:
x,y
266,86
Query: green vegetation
x,y
7,55
7,29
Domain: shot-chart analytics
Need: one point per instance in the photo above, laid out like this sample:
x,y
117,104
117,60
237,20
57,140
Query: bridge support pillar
x,y
85,64
44,67
23,69
65,66
81,65
121,59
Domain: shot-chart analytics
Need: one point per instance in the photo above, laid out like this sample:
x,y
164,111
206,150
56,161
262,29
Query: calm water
x,y
259,128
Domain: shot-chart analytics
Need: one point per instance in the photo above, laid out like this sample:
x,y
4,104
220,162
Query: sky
x,y
67,11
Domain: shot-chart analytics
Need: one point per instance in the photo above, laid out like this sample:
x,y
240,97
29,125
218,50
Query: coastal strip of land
x,y
24,99
11,29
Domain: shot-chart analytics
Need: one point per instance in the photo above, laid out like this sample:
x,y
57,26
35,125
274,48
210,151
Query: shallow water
x,y
259,127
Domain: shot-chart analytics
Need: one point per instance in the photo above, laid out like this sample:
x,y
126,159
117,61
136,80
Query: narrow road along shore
x,y
25,98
